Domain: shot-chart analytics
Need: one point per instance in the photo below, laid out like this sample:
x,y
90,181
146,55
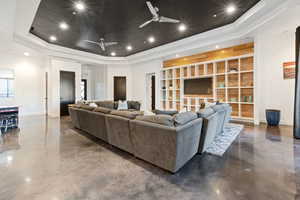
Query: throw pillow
x,y
166,120
93,105
183,110
183,118
166,112
122,105
148,113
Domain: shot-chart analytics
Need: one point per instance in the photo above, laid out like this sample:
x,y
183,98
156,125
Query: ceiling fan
x,y
156,17
102,44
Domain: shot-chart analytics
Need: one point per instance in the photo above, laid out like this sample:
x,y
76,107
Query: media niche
x,y
199,86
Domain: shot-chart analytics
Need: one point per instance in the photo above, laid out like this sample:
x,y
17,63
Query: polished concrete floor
x,y
46,159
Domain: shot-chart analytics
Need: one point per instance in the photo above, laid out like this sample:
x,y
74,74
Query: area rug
x,y
223,141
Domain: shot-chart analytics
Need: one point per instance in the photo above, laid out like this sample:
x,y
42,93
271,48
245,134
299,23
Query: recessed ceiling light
x,y
79,6
230,9
151,39
53,38
217,47
27,179
113,54
214,15
129,47
26,54
63,26
9,158
182,27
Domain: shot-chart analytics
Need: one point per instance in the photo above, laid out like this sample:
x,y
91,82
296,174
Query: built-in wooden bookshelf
x,y
233,83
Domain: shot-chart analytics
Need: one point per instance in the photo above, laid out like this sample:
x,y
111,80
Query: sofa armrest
x,y
209,131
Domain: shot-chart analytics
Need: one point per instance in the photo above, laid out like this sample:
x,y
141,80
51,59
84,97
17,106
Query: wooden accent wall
x,y
211,55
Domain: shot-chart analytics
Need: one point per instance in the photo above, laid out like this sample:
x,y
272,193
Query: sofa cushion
x,y
126,114
183,118
204,113
122,105
102,110
106,104
87,107
165,112
166,120
134,105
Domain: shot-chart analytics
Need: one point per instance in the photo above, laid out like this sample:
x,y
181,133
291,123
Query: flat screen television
x,y
198,86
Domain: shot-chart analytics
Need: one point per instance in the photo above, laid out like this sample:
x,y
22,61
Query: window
x,y
6,83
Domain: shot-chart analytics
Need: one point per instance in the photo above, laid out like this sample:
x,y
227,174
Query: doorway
x,y
151,92
119,88
83,89
67,91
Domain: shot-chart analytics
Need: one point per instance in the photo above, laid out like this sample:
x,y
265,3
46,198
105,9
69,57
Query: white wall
x,y
275,44
54,82
96,81
7,17
29,82
86,74
120,70
139,72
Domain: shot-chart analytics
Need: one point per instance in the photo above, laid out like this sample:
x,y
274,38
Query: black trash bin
x,y
273,117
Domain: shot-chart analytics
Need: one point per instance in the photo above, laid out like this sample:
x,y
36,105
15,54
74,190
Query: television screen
x,y
199,86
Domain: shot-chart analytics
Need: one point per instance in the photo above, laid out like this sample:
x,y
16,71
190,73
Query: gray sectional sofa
x,y
167,141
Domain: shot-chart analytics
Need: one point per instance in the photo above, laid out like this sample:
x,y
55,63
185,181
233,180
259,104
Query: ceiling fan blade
x,y
168,20
152,9
102,45
92,42
146,23
107,44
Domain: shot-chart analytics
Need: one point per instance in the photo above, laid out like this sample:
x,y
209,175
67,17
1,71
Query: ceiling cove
x,y
68,24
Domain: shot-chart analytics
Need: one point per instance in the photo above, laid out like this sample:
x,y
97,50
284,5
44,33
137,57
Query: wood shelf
x,y
233,83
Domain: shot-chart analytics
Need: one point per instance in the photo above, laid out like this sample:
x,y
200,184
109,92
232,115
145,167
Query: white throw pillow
x,y
93,105
122,105
148,113
183,110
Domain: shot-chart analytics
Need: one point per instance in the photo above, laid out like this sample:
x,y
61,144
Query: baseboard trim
x,y
283,123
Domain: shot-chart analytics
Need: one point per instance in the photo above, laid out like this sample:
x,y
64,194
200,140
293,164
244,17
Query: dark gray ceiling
x,y
118,20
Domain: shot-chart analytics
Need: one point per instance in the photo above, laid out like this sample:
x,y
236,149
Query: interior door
x,y
67,91
119,88
153,92
297,88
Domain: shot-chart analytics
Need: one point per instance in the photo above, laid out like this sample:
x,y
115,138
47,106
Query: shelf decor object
x,y
232,74
289,70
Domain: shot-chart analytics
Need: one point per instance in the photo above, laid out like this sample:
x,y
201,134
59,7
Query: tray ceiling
x,y
119,20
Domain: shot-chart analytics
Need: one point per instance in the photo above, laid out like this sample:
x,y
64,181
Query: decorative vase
x,y
273,117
